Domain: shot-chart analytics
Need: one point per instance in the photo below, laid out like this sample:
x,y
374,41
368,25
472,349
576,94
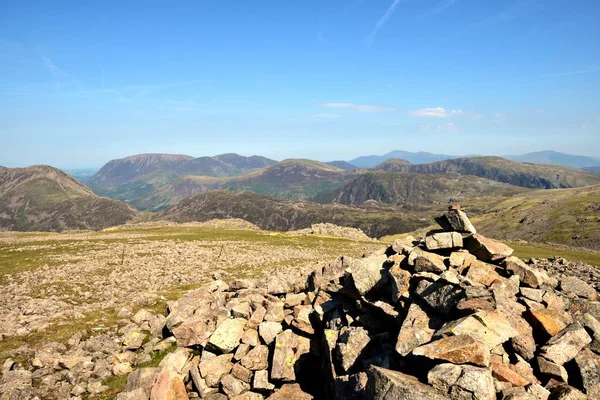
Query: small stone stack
x,y
450,316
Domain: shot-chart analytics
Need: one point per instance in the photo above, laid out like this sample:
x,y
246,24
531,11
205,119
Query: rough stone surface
x,y
567,344
443,241
486,249
455,220
385,384
461,349
228,334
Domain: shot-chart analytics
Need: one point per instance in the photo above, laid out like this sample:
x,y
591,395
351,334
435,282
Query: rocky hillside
x,y
452,315
593,170
42,198
284,215
555,157
393,165
535,176
133,178
288,179
566,216
417,189
345,165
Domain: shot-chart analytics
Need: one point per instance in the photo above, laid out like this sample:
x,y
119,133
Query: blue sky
x,y
85,82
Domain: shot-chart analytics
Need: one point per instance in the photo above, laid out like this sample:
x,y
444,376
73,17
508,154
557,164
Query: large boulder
x,y
385,384
486,249
228,334
461,349
455,220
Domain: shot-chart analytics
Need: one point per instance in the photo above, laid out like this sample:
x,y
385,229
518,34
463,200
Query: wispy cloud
x,y
443,5
437,112
60,76
569,73
324,116
382,21
500,118
441,128
366,108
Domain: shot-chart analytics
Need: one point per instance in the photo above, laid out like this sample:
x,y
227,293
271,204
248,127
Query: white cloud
x,y
500,118
382,21
441,128
367,108
437,112
325,116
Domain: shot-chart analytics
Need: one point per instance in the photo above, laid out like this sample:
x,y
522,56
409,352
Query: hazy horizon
x,y
83,84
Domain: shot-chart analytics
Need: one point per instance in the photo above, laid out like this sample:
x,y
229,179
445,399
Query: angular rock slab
x,y
423,261
490,327
455,220
463,381
439,295
350,345
486,249
443,241
366,273
289,347
228,334
415,330
567,344
168,386
290,391
461,349
385,384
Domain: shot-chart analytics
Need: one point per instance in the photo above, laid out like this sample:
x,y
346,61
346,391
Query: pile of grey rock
x,y
452,315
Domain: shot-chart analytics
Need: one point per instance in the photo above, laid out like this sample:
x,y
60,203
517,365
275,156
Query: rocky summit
x,y
451,315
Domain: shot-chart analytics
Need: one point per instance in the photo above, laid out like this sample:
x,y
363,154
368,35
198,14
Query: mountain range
x,y
291,194
539,157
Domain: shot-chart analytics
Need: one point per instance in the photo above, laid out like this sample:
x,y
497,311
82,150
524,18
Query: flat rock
x,y
386,384
462,381
233,386
351,344
366,273
443,241
455,220
400,280
504,373
261,381
567,344
213,369
486,249
228,334
459,349
257,358
168,386
482,273
415,330
550,322
440,295
490,327
588,365
289,347
529,275
575,286
269,330
290,391
423,261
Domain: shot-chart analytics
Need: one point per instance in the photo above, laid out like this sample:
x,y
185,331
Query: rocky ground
x,y
452,315
449,315
70,301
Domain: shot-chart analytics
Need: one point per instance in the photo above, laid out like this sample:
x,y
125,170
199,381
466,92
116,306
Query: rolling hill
x,y
555,157
283,215
593,170
421,157
565,216
288,179
43,198
536,176
400,188
345,165
132,179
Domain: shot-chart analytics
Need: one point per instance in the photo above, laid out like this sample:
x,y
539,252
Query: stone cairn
x,y
450,316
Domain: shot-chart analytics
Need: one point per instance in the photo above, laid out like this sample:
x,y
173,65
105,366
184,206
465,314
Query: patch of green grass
x,y
545,251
